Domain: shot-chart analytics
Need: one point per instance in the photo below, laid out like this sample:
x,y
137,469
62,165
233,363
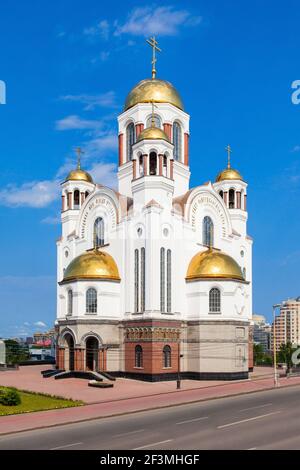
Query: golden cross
x,y
79,152
153,43
229,152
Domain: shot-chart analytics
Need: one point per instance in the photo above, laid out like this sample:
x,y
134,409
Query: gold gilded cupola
x,y
79,174
229,173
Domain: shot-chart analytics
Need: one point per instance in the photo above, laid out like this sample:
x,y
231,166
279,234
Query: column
x,y
168,130
145,160
63,202
82,198
121,138
134,168
138,129
238,200
79,359
225,198
60,357
160,163
245,202
171,169
70,205
186,148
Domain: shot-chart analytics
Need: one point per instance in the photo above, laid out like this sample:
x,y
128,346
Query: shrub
x,y
10,397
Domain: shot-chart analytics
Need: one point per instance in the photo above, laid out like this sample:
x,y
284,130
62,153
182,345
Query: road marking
x,y
152,445
191,420
252,448
130,432
67,445
249,419
258,406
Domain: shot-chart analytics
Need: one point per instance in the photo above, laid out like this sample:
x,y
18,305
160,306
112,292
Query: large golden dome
x,y
229,174
92,264
153,90
213,264
79,175
152,133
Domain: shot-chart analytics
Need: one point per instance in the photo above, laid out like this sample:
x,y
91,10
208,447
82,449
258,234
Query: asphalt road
x,y
264,420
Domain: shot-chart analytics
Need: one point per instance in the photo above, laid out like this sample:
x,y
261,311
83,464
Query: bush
x,y
10,397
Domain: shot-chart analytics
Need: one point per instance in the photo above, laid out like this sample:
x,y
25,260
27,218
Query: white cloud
x,y
164,20
105,100
296,148
96,146
75,122
33,194
51,220
105,174
101,29
40,324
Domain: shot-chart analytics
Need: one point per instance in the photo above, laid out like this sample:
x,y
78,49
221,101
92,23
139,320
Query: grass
x,y
31,401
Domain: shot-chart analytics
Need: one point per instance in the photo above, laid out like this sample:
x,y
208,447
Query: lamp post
x,y
276,382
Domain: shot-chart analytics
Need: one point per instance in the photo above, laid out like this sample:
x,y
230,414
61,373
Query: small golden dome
x,y
92,265
229,174
213,264
153,90
152,133
79,175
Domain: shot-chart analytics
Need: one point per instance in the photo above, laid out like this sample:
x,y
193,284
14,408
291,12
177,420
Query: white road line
x,y
127,433
191,420
249,419
67,445
154,444
258,406
252,448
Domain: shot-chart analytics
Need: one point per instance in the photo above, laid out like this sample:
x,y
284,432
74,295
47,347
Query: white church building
x,y
155,277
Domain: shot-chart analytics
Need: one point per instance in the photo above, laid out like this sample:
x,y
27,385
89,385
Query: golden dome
x,y
229,174
79,175
152,133
153,90
92,265
213,264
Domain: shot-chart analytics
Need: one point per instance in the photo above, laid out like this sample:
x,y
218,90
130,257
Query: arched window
x,y
167,357
130,140
91,300
162,280
208,231
214,300
138,356
153,163
141,165
70,302
177,141
76,199
169,281
165,165
221,194
157,121
99,232
231,199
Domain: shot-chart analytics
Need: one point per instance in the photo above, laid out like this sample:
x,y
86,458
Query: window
x,y
136,280
86,194
91,300
221,194
167,357
177,141
76,199
231,199
138,356
169,281
99,232
157,121
214,300
70,302
143,290
208,231
162,280
130,140
165,165
153,163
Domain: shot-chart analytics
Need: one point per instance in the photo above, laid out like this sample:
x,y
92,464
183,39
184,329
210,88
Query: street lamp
x,y
276,382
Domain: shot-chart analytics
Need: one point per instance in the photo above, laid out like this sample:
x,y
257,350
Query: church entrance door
x,y
92,353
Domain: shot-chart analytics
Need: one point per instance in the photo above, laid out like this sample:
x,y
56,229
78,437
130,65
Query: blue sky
x,y
68,65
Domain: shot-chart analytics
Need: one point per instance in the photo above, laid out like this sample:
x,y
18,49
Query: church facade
x,y
155,278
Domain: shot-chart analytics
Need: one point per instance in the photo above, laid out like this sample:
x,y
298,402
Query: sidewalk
x,y
114,406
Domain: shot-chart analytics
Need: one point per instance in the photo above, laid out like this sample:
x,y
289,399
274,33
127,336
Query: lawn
x,y
37,402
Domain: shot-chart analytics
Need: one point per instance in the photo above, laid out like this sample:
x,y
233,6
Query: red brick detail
x,y
168,130
145,158
225,197
186,148
161,161
245,202
171,169
238,199
138,129
102,359
152,357
82,198
60,357
79,359
70,200
121,138
63,199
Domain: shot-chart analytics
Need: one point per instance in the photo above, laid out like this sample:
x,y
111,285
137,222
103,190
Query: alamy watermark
x,y
2,92
296,93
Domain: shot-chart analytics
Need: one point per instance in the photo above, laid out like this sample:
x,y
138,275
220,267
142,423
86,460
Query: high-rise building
x,y
287,324
261,332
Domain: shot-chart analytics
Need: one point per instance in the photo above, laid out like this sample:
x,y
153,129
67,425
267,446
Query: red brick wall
x,y
60,358
152,357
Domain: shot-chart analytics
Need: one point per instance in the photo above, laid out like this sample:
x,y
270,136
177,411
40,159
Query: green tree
x,y
258,354
285,354
15,352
